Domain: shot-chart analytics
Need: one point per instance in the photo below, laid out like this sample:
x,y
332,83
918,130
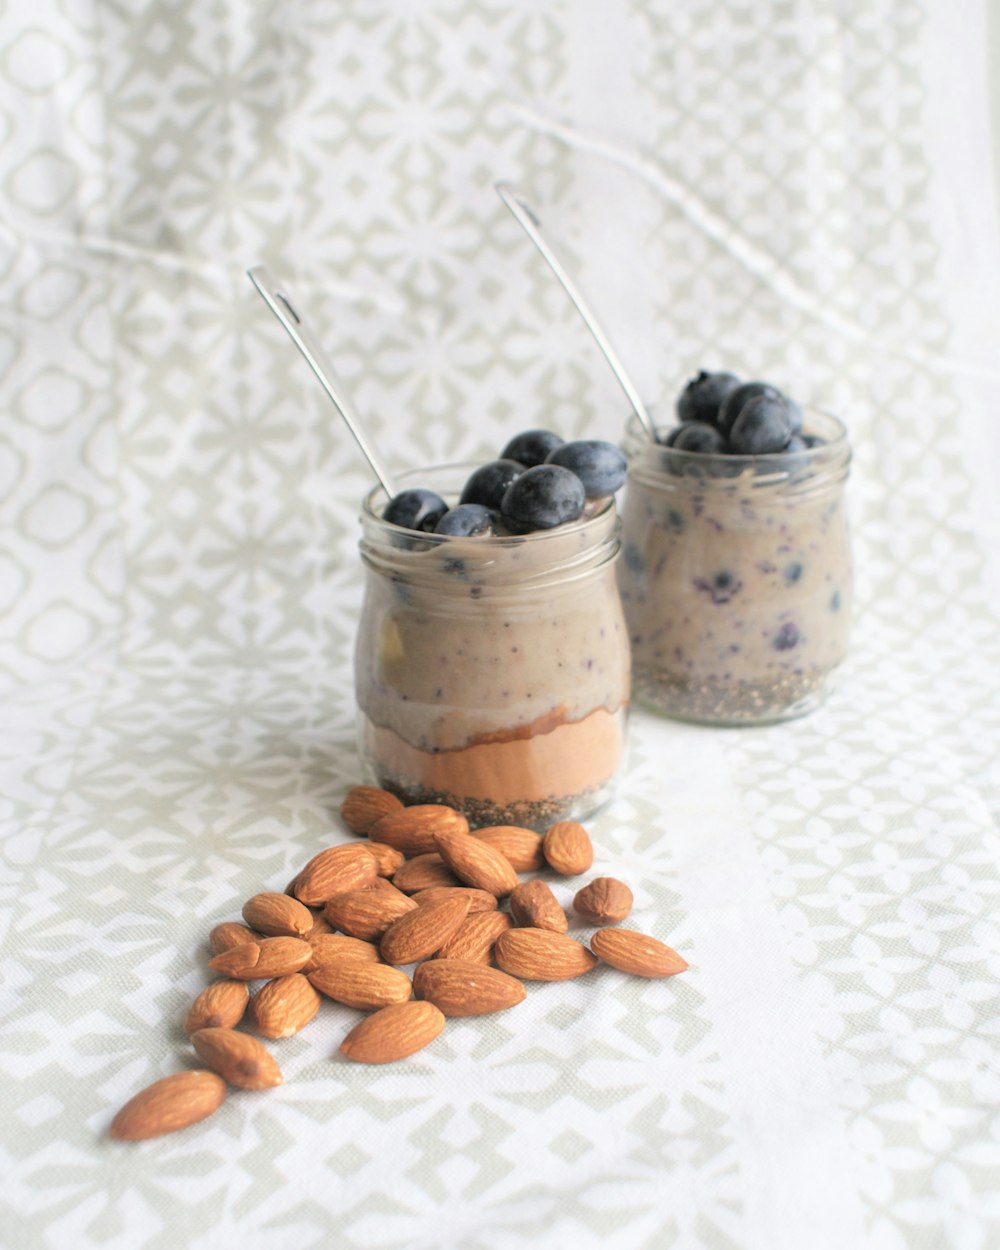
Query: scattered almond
x,y
237,1057
479,900
270,957
412,829
475,938
475,863
464,988
363,805
534,905
284,1006
521,847
362,985
541,955
335,871
225,936
567,848
220,1006
332,948
172,1103
423,931
277,915
605,900
636,953
387,857
368,913
424,872
393,1033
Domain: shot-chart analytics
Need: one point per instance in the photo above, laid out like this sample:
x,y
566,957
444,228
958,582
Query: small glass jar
x,y
492,673
736,577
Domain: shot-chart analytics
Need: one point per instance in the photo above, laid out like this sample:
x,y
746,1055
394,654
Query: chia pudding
x,y
736,576
492,672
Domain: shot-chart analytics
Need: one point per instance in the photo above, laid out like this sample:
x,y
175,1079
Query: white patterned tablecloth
x,y
806,192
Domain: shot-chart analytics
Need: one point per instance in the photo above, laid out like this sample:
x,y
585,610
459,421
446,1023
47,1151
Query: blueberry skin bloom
x,y
466,520
415,509
488,483
702,398
600,466
531,447
543,497
764,426
699,436
734,402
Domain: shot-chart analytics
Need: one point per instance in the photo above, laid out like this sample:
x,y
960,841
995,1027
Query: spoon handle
x,y
529,223
273,295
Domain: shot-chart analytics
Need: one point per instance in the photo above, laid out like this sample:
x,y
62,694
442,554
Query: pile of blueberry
x,y
537,483
721,415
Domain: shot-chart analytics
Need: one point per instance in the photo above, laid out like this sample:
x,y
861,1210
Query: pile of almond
x,y
422,890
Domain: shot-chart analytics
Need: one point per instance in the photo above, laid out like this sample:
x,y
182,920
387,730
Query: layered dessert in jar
x,y
492,663
736,569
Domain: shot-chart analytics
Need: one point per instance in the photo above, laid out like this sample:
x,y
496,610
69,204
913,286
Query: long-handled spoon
x,y
271,292
527,219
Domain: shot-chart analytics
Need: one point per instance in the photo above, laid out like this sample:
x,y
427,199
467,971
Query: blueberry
x,y
702,398
734,402
764,426
466,520
786,637
544,496
415,509
671,436
701,437
531,447
487,484
600,466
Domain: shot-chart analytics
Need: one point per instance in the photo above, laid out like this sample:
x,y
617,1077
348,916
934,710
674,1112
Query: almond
x,y
423,931
541,955
534,905
321,926
367,914
225,936
521,847
636,953
219,1006
475,938
169,1104
393,1033
284,1006
270,957
475,863
332,948
479,900
387,857
424,872
363,805
463,988
567,848
605,900
335,871
363,985
237,1057
412,830
277,915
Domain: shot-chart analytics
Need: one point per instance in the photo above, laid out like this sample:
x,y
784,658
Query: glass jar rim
x,y
830,448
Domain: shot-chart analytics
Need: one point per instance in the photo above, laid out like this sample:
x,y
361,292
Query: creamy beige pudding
x,y
736,577
492,673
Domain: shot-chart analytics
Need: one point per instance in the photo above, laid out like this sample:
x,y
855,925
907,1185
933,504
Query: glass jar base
x,y
746,703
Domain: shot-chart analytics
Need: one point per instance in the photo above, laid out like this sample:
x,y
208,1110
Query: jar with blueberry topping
x,y
736,573
492,671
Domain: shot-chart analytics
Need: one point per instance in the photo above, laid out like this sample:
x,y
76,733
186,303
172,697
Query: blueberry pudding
x,y
736,577
492,663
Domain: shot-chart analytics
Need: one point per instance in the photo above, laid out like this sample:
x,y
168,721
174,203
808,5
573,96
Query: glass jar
x,y
492,673
736,577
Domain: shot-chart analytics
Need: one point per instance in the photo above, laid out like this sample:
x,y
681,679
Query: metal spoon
x,y
279,303
527,219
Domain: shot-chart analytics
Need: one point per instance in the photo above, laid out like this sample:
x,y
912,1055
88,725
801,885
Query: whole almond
x,y
225,936
636,953
475,863
237,1057
567,848
423,931
479,900
237,961
172,1103
464,988
541,955
270,957
387,857
335,871
332,948
366,914
412,830
424,872
521,847
284,1006
277,915
363,805
362,985
476,937
533,904
393,1033
605,900
220,1006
